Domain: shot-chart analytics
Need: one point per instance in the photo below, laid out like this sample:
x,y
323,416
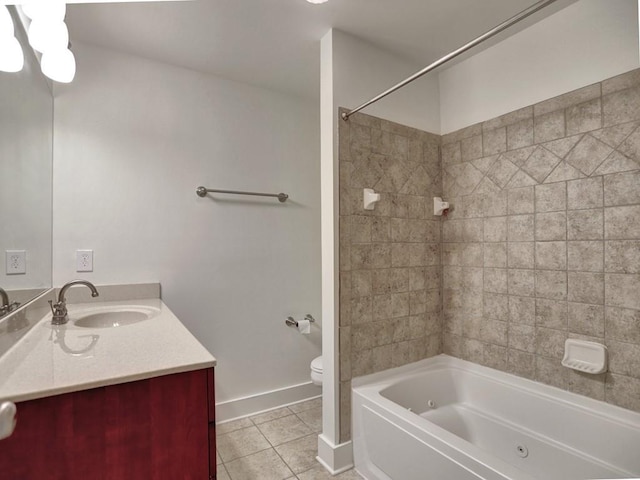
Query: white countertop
x,y
50,360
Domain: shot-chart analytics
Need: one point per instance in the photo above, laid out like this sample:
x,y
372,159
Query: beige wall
x,y
543,243
390,256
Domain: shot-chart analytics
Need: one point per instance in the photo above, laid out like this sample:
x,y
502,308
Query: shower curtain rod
x,y
494,31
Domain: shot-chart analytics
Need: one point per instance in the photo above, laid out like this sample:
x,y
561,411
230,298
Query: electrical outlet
x,y
84,260
16,262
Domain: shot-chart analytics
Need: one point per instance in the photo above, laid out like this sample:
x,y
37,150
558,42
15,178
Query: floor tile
x,y
272,415
306,405
241,443
222,428
222,473
284,430
300,454
312,418
218,459
265,465
320,473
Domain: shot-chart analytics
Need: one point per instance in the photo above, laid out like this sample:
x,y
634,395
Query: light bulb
x,y
11,56
6,24
59,65
317,2
45,35
54,11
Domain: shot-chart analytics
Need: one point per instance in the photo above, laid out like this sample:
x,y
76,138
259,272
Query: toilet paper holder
x,y
291,322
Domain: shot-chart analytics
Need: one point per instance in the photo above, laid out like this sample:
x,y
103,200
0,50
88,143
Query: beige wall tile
x,y
494,141
622,291
551,284
586,287
520,228
540,164
471,148
584,193
622,256
549,126
585,224
588,154
522,310
520,254
495,229
622,188
551,314
551,226
623,391
550,343
551,372
495,255
586,319
621,223
551,255
584,117
495,280
520,134
622,106
622,324
551,197
586,256
521,282
520,200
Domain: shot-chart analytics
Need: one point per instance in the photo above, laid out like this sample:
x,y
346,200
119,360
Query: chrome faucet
x,y
6,307
59,309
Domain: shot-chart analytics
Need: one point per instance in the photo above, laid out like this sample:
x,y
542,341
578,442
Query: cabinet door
x,y
152,429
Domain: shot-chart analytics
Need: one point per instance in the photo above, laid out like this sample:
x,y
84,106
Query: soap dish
x,y
588,357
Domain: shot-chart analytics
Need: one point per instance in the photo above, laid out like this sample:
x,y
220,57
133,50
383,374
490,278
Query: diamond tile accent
x,y
588,154
563,172
616,163
563,146
502,171
540,164
614,136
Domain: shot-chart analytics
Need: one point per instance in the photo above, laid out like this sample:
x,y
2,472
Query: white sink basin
x,y
110,317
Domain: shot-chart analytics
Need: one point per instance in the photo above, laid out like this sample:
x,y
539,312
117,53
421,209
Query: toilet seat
x,y
316,370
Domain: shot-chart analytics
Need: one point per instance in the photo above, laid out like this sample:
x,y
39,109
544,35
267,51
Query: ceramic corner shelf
x,y
587,357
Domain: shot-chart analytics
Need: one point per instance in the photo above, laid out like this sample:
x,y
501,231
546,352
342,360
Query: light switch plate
x,y
16,262
84,260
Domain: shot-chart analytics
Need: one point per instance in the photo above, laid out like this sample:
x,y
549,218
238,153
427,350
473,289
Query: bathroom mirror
x,y
26,155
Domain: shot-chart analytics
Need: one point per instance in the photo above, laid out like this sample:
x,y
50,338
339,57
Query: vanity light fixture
x,y
49,35
318,2
11,55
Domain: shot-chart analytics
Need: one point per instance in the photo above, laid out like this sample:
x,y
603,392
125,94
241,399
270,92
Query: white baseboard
x,y
335,458
254,404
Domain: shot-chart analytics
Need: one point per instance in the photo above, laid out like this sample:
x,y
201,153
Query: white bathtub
x,y
486,424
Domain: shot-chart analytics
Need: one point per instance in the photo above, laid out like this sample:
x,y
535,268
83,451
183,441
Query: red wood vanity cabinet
x,y
155,429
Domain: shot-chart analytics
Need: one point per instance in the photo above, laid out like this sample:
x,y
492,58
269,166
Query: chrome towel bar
x,y
202,192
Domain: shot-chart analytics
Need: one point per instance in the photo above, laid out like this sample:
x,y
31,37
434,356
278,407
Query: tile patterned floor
x,y
277,445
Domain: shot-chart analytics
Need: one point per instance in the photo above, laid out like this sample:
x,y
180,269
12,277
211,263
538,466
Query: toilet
x,y
316,371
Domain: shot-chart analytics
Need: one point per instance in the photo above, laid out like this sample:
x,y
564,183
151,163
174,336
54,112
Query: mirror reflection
x,y
26,142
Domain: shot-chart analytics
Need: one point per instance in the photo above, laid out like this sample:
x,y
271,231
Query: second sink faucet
x,y
59,309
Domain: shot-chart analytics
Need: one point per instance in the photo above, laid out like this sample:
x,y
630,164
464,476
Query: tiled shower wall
x,y
390,273
543,242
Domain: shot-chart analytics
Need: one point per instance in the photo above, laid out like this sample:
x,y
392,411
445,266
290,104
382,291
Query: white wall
x,y
361,71
133,139
587,42
352,71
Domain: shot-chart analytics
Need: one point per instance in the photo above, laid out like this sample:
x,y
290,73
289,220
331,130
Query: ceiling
x,y
275,43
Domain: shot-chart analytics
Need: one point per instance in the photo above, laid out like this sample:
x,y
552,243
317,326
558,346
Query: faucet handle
x,y
53,311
